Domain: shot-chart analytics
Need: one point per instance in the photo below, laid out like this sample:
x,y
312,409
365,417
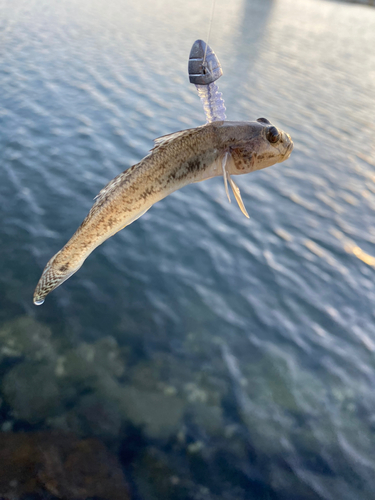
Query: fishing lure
x,y
204,69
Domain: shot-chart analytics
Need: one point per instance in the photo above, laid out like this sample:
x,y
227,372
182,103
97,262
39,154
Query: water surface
x,y
234,358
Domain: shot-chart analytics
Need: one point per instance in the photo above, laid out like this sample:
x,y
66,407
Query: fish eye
x,y
263,120
273,135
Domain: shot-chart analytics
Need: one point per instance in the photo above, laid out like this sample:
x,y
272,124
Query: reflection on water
x,y
214,357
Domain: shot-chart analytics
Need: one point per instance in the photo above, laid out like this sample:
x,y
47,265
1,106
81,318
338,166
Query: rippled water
x,y
240,352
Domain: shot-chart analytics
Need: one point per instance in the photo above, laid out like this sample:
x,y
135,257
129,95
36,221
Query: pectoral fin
x,y
236,191
237,195
225,174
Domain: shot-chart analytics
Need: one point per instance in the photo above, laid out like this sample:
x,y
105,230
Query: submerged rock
x,y
156,478
31,391
41,385
87,389
159,415
94,416
194,397
60,465
26,337
208,419
89,362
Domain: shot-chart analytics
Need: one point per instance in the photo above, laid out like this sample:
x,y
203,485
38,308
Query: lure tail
x,y
212,101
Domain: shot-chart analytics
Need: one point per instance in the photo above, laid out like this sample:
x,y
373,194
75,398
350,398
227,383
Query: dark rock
x,y
96,416
157,479
58,465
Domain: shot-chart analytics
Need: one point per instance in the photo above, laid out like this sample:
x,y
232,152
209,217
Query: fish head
x,y
260,145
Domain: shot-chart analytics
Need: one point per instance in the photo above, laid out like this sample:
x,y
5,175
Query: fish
x,y
225,148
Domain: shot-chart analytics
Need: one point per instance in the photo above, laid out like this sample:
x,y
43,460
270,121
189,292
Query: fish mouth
x,y
285,147
289,148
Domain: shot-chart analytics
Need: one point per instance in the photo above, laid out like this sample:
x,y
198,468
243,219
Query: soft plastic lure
x,y
204,69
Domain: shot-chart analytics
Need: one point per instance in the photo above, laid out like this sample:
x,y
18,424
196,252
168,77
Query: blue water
x,y
231,358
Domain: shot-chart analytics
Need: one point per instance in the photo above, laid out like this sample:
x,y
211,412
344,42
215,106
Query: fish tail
x,y
54,274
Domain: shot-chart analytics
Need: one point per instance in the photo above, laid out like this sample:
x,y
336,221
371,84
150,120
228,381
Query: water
x,y
230,358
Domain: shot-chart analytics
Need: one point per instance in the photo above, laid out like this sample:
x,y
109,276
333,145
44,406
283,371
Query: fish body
x,y
193,155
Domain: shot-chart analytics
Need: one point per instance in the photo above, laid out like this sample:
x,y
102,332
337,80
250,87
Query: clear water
x,y
231,358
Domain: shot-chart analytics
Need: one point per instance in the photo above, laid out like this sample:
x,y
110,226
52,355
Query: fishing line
x,y
209,31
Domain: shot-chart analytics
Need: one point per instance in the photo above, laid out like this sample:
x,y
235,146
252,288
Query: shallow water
x,y
234,358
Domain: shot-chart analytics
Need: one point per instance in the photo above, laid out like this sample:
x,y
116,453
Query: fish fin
x,y
237,195
128,222
137,216
164,139
225,174
109,187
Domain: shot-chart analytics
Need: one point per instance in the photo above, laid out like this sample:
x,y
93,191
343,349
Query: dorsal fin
x,y
111,186
164,139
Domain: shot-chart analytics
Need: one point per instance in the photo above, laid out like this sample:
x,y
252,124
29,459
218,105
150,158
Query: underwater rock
x,y
95,416
207,418
175,475
80,390
169,374
159,415
39,391
32,392
105,355
26,337
155,478
58,464
198,391
86,364
103,412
